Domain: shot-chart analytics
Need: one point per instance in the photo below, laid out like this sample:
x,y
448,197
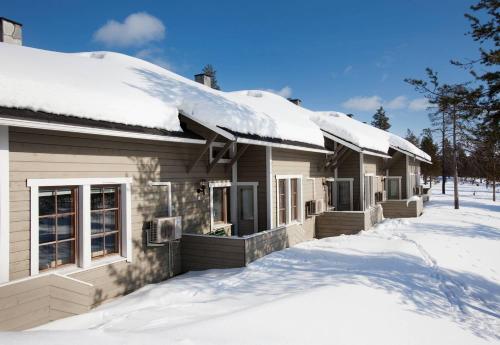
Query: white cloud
x,y
286,91
363,103
154,55
348,69
371,103
419,104
399,102
136,30
384,77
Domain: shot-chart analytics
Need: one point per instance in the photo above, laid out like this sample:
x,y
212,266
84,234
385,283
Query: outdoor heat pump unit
x,y
165,229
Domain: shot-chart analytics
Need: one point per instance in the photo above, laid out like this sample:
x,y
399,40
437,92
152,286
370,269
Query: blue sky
x,y
348,56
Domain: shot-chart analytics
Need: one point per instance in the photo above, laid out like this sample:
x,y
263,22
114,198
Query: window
x,y
246,203
393,187
57,227
220,205
294,198
105,220
289,199
340,194
282,202
215,148
369,190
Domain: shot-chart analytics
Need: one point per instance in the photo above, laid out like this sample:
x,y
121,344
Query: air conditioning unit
x,y
165,229
384,195
319,206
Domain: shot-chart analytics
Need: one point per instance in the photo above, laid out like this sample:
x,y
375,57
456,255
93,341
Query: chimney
x,y
295,101
11,31
204,79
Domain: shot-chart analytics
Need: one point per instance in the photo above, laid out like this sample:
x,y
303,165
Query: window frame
x,y
371,202
211,155
83,239
288,200
55,216
386,186
105,233
220,184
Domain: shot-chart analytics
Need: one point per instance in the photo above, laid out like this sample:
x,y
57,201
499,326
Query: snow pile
x,y
428,280
119,88
354,131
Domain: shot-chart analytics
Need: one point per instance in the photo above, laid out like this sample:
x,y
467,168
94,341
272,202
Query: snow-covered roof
x,y
363,135
353,131
118,88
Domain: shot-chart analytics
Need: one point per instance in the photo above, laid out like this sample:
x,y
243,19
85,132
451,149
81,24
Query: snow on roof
x,y
397,142
279,115
364,135
119,88
353,131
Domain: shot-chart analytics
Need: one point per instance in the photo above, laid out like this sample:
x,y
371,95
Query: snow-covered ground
x,y
430,280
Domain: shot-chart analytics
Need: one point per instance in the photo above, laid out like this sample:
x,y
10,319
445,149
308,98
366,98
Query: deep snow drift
x,y
430,280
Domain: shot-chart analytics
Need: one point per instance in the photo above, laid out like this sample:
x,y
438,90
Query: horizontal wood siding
x,y
337,223
28,303
349,168
46,154
374,165
264,243
252,168
309,165
206,252
402,208
398,168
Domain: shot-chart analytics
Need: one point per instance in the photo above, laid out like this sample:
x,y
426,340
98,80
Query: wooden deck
x,y
403,208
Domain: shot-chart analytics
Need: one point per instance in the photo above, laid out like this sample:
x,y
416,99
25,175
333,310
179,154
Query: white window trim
x,y
169,193
211,186
255,186
4,205
386,183
288,208
351,189
218,144
84,239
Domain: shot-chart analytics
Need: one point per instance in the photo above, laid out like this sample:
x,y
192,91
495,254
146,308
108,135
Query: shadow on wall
x,y
193,101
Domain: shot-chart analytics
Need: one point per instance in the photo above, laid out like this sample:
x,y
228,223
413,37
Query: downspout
x,y
4,204
269,186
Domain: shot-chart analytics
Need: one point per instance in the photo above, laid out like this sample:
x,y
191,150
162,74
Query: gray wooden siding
x,y
252,168
45,154
374,165
398,168
32,302
349,168
402,208
335,223
309,165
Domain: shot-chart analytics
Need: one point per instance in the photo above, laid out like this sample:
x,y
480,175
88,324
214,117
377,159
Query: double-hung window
x,y
289,199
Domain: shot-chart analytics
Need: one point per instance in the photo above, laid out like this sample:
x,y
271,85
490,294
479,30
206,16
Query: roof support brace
x,y
202,152
395,157
237,156
342,157
219,156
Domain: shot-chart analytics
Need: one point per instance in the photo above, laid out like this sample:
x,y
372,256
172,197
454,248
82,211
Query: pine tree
x,y
380,119
212,73
411,137
428,145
